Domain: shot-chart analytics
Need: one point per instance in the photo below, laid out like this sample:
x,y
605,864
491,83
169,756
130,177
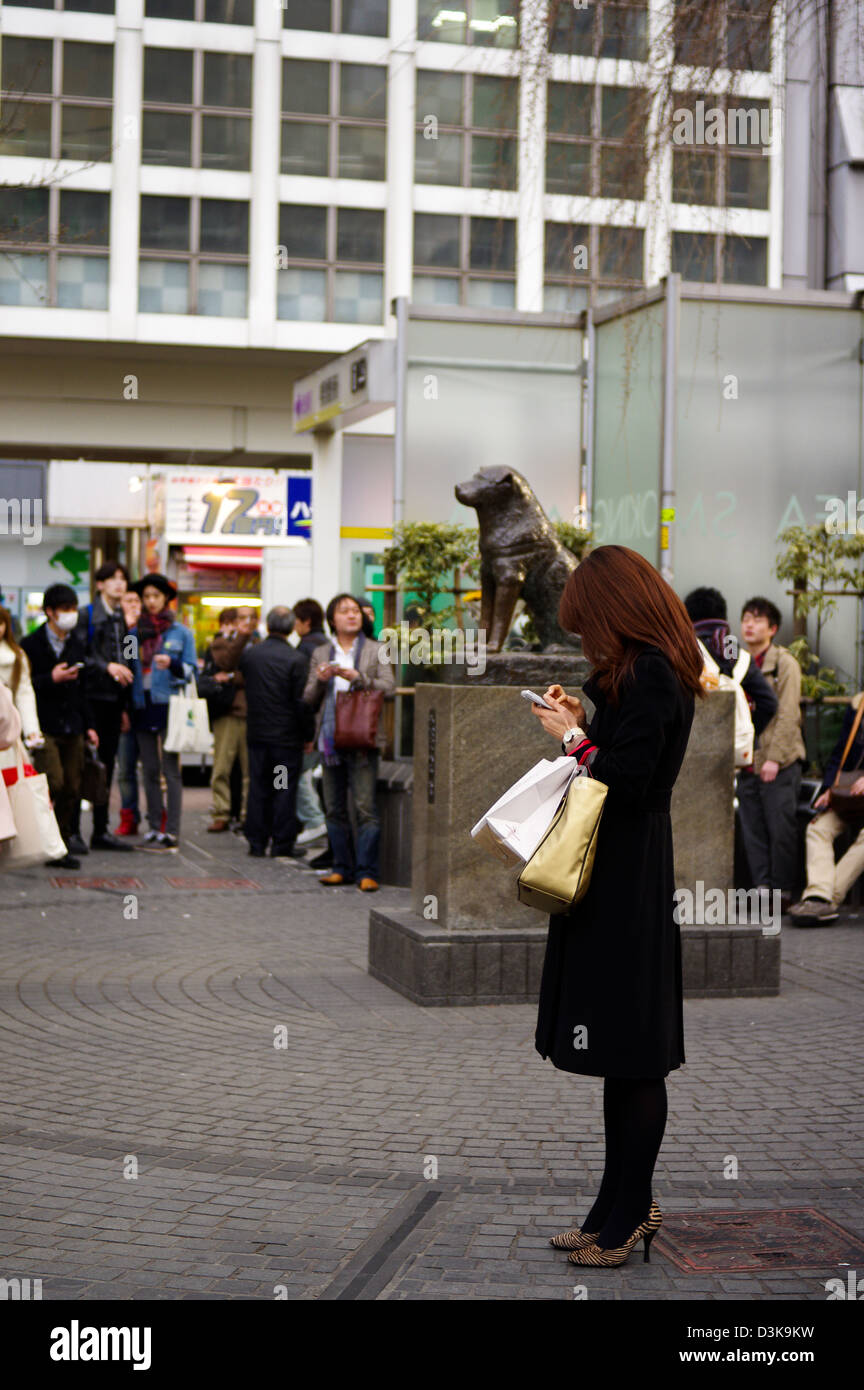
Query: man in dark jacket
x,y
707,611
102,630
309,627
278,725
58,666
827,882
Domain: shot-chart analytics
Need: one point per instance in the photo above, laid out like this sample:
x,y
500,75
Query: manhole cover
x,y
738,1241
97,882
199,884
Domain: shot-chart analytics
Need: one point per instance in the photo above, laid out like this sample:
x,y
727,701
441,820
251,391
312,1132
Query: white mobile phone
x,y
535,699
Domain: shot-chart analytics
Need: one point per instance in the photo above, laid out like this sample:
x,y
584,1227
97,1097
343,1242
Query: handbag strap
x,y
851,739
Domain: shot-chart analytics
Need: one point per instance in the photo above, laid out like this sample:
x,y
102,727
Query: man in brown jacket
x,y
229,731
768,794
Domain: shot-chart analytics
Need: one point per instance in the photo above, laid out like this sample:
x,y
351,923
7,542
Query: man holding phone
x,y
57,658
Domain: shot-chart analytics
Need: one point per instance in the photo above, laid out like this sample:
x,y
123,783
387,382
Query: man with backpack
x,y
725,659
101,629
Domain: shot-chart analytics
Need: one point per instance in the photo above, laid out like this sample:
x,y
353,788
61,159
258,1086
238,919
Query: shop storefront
x,y
222,529
210,578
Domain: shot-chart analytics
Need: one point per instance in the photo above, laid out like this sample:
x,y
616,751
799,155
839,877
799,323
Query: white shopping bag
x,y
188,723
38,837
513,828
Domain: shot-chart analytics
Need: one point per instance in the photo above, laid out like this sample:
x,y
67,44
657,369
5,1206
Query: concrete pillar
x,y
125,205
326,515
532,158
658,175
266,146
401,103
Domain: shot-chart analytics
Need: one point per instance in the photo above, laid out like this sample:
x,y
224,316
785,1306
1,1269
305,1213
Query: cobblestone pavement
x,y
303,1170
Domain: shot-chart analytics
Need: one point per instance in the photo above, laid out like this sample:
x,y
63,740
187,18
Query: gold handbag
x,y
559,871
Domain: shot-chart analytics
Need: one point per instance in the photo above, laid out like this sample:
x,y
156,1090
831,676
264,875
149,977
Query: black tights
x,y
634,1115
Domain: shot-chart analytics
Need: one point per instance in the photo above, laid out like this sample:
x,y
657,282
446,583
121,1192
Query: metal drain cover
x,y
741,1241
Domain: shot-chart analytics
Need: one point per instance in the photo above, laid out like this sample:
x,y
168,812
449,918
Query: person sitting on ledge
x,y
827,882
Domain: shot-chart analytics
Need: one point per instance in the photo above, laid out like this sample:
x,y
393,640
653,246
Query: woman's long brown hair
x,y
9,638
618,603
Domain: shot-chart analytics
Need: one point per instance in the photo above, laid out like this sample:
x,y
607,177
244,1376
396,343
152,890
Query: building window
x,y
54,248
334,119
57,98
331,264
196,109
207,11
582,261
337,16
464,260
595,142
602,29
487,23
720,151
194,256
730,260
79,6
736,34
466,130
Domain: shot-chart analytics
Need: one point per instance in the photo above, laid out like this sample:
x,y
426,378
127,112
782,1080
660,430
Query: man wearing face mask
x,y
57,657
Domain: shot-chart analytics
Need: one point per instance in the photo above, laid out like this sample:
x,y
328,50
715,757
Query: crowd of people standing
x,y
96,682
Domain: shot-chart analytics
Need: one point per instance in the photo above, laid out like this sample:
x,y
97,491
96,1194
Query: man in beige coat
x,y
768,794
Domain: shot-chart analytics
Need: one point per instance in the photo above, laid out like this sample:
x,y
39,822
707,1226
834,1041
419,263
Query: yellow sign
x,y
370,533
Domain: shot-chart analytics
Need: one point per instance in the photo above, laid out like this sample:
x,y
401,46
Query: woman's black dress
x,y
611,1000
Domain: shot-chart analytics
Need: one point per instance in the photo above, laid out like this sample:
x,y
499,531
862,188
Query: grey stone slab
x,y
455,782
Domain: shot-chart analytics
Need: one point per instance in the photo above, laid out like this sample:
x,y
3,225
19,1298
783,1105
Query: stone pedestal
x,y
464,937
525,670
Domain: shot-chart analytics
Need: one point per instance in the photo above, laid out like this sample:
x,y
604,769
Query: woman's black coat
x,y
611,1001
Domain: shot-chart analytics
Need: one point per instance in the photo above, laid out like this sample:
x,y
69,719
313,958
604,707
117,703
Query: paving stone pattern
x,y
387,1150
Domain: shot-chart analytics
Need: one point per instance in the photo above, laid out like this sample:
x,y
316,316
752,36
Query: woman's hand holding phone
x,y
555,694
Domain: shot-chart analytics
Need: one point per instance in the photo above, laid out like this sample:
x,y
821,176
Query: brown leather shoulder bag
x,y
846,806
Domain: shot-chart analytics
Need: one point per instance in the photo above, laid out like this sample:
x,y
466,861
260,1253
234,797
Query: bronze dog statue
x,y
520,557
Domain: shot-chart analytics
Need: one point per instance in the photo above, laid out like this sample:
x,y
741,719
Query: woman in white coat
x,y
15,675
10,732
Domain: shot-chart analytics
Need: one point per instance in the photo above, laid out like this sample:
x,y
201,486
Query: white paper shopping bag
x,y
38,837
188,723
513,828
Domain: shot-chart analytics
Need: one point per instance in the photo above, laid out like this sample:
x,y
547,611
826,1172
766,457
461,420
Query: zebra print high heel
x,y
575,1239
594,1255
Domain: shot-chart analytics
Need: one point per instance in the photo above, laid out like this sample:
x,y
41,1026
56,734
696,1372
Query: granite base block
x,y
441,966
436,965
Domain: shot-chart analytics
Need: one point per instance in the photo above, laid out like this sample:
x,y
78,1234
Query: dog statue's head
x,y
493,487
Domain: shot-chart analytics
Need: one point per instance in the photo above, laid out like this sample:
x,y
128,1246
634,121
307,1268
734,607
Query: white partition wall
x,y
765,417
492,392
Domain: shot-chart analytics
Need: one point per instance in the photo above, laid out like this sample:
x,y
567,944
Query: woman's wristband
x,y
584,752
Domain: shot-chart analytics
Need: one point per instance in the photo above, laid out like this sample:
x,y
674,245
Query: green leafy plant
x,y
823,567
576,539
423,556
816,681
